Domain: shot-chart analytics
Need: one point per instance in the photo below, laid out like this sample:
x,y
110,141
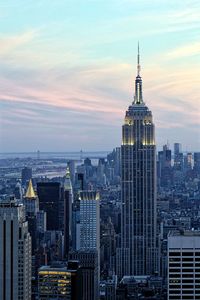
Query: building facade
x,y
88,273
15,252
184,265
89,220
58,282
87,245
67,212
138,183
164,171
49,194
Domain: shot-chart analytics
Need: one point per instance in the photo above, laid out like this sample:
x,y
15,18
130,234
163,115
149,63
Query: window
x,y
187,254
174,254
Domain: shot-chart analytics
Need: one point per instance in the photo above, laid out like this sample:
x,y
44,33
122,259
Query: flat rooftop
x,y
185,233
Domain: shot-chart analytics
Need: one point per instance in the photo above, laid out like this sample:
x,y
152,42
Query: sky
x,y
67,71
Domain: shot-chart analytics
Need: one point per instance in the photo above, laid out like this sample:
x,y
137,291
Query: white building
x,y
15,252
89,221
88,240
184,265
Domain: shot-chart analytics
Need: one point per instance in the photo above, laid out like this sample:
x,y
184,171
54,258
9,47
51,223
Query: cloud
x,y
72,77
78,90
95,99
185,51
12,42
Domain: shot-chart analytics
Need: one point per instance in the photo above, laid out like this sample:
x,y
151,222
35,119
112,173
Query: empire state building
x,y
138,159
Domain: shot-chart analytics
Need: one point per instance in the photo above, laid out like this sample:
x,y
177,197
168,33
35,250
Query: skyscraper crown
x,y
30,191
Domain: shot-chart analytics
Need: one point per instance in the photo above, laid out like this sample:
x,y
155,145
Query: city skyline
x,y
68,69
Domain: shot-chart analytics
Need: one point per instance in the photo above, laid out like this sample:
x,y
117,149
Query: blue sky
x,y
68,69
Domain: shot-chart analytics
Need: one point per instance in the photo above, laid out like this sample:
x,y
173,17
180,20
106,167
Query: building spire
x,y
138,99
138,60
30,191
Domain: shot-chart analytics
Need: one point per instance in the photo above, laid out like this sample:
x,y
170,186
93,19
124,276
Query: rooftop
x,y
184,233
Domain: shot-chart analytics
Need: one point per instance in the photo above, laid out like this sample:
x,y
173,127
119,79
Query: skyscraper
x,y
188,162
26,175
67,215
49,194
15,252
88,244
138,180
164,167
31,204
30,200
89,220
178,157
177,148
88,273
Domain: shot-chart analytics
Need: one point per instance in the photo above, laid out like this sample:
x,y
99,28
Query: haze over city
x,y
68,70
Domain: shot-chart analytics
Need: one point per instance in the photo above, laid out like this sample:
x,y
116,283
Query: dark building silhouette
x,y
81,181
164,166
88,273
197,163
49,194
67,212
31,204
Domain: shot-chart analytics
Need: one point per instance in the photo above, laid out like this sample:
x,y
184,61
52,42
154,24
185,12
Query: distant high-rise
x,y
89,220
67,215
71,165
26,175
188,162
15,252
31,204
177,148
197,162
178,157
138,179
164,166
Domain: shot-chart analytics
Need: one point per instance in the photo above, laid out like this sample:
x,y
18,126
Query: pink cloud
x,y
106,91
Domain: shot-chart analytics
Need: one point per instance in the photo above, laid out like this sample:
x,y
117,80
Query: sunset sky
x,y
67,71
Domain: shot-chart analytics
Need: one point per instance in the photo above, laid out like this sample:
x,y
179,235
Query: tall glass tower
x,y
138,158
